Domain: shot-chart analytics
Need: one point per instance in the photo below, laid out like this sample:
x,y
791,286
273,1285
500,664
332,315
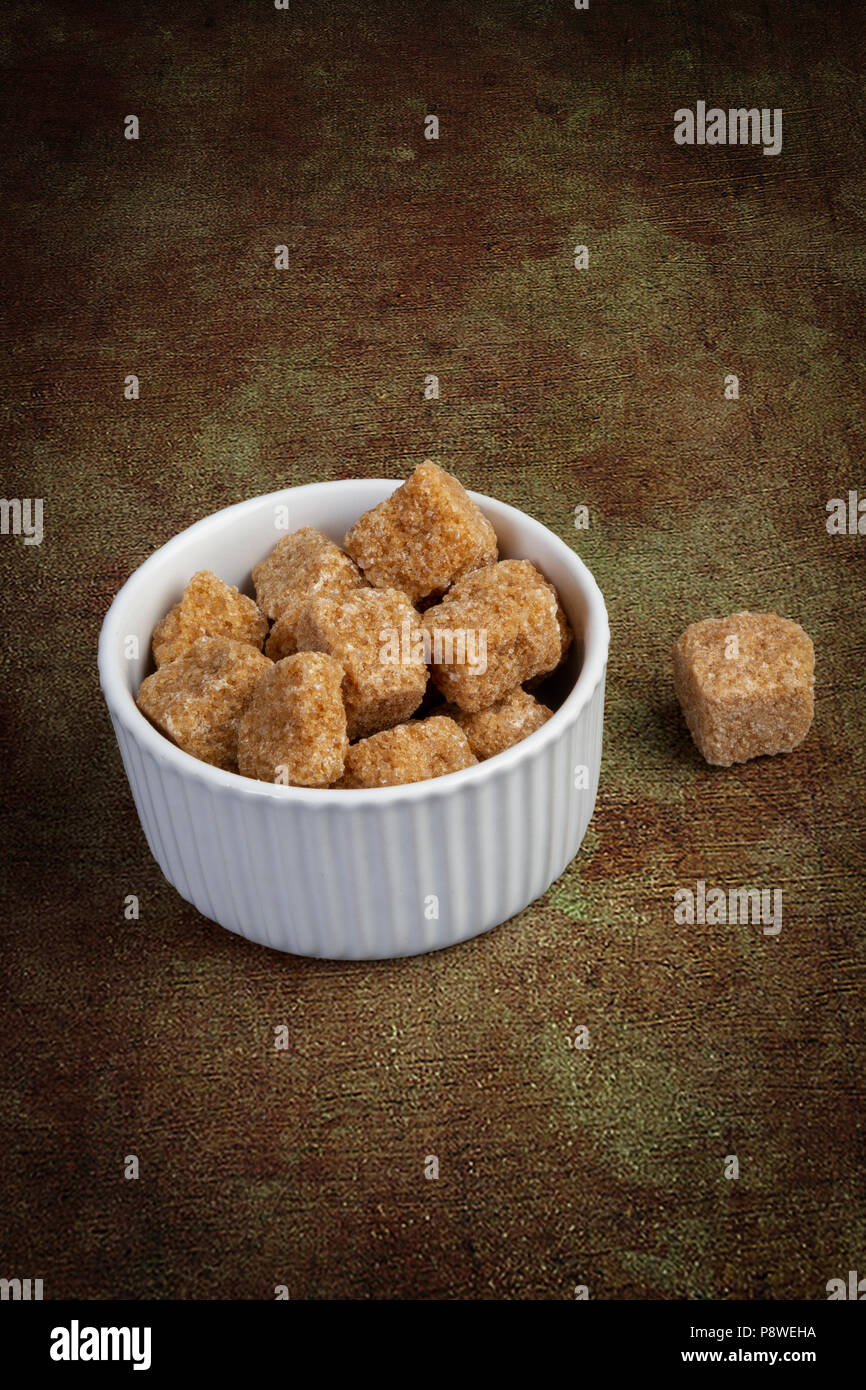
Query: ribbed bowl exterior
x,y
368,880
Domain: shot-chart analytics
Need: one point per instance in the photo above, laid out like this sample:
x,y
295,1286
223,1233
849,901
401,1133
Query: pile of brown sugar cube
x,y
320,681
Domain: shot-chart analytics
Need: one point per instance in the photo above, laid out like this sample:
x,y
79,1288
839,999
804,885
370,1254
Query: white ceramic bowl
x,y
389,871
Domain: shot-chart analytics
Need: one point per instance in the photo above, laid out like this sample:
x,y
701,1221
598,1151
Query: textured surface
x,y
559,388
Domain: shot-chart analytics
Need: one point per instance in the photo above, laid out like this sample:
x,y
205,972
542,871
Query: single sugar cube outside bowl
x,y
746,685
374,872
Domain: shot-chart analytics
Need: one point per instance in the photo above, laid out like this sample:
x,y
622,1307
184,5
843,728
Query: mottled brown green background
x,y
559,387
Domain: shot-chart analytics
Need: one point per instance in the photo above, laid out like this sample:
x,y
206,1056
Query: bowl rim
x,y
123,708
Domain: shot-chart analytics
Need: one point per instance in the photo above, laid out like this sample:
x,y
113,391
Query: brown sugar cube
x,y
293,730
410,753
491,731
566,636
208,608
497,627
746,685
302,563
197,699
283,639
375,636
422,537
